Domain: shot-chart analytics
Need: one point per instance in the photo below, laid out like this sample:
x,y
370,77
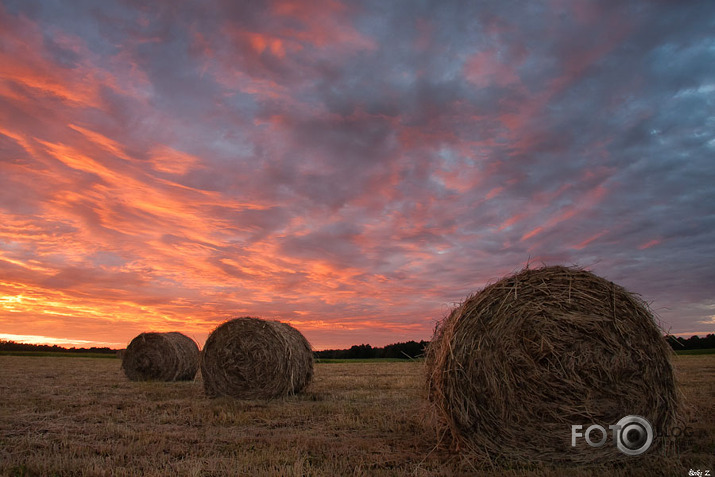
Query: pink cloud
x,y
532,233
323,24
586,202
583,244
649,244
485,68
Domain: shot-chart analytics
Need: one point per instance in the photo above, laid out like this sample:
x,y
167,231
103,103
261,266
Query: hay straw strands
x,y
161,357
251,358
516,364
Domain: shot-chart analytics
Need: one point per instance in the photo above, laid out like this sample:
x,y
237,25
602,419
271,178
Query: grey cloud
x,y
334,243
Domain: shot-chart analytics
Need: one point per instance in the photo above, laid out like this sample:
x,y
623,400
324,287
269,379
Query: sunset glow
x,y
353,168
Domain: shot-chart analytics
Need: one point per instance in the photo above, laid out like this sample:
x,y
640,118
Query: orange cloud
x,y
103,141
28,74
40,311
166,159
262,42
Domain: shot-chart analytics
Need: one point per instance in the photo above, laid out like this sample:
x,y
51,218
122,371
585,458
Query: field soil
x,y
62,416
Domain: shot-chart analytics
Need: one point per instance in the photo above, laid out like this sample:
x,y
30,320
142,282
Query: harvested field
x,y
81,416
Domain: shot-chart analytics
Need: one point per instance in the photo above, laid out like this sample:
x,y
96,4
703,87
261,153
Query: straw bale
x,y
251,358
516,364
168,356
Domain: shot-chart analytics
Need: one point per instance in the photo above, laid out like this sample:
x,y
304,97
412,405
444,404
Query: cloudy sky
x,y
354,168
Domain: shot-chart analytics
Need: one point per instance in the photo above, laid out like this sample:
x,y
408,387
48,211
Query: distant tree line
x,y
406,350
694,342
13,346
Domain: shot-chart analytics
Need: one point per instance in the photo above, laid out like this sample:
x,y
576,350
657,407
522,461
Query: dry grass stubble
x,y
80,416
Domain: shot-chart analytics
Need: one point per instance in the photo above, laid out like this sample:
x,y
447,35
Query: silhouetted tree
x,y
13,346
694,342
406,350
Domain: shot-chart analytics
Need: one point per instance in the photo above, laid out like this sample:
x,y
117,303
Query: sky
x,y
352,168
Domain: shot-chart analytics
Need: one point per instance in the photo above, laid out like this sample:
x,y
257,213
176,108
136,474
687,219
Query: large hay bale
x,y
161,357
251,358
513,367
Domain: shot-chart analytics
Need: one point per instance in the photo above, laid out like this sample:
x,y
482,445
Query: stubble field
x,y
81,416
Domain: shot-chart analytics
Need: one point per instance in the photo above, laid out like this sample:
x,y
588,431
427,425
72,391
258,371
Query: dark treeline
x,y
406,350
413,349
13,346
409,349
694,342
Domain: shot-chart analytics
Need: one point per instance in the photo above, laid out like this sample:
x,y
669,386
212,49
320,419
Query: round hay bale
x,y
512,368
251,358
161,357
